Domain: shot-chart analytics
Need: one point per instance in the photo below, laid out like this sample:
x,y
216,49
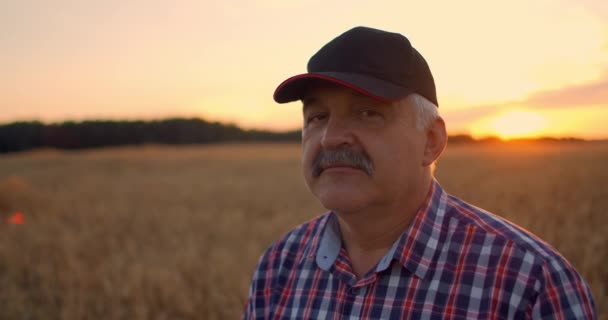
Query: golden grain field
x,y
160,232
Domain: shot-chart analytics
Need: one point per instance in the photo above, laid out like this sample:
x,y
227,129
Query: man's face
x,y
359,152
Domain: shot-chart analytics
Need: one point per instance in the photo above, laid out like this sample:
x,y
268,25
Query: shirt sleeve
x,y
259,290
563,294
249,311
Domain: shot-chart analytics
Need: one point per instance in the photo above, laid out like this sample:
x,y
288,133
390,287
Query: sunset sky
x,y
508,68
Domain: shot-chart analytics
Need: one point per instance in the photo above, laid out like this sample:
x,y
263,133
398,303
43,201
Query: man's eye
x,y
316,117
370,113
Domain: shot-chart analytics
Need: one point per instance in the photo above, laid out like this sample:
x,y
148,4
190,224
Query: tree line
x,y
20,136
26,135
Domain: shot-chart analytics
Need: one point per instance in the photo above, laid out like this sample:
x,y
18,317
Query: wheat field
x,y
160,232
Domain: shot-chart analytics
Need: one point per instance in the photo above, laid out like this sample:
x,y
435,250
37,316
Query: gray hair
x,y
426,111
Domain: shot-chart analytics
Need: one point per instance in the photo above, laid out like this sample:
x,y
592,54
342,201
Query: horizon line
x,y
456,134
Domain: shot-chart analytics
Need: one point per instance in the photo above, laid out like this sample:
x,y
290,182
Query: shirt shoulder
x,y
560,289
503,230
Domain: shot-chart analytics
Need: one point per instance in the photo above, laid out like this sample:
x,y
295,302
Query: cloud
x,y
590,94
584,95
476,112
597,7
572,97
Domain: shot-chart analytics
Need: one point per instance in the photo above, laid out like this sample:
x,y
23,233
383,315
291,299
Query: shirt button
x,y
354,291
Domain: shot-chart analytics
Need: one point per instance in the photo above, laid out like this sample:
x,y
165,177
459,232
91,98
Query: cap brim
x,y
296,87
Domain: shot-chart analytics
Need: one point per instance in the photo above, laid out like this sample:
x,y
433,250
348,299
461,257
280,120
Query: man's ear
x,y
436,140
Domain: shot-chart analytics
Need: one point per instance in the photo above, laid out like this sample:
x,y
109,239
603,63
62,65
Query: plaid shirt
x,y
455,261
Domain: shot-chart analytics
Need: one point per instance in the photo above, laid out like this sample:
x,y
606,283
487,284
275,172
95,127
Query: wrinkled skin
x,y
338,117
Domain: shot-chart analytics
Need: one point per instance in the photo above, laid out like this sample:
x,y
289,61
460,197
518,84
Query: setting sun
x,y
219,61
513,124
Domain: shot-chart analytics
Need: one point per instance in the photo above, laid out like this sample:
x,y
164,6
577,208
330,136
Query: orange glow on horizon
x,y
512,124
222,62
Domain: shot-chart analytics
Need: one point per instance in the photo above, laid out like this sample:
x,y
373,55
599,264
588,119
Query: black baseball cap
x,y
377,63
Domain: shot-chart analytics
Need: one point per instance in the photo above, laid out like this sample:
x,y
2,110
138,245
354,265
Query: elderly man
x,y
395,245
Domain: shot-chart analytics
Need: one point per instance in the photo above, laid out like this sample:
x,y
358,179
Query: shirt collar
x,y
416,247
330,244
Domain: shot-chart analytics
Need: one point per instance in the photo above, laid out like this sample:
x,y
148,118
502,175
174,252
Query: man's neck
x,y
369,234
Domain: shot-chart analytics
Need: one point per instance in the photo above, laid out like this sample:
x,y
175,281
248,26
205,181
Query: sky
x,y
509,68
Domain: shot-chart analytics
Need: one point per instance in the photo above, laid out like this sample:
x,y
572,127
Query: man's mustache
x,y
342,156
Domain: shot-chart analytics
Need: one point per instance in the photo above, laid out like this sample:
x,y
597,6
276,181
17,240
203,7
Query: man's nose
x,y
337,132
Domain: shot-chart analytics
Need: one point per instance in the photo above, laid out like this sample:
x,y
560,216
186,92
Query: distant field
x,y
174,232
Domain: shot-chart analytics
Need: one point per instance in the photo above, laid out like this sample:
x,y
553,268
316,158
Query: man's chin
x,y
341,200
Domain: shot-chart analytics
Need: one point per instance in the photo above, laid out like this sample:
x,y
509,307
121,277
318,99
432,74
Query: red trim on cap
x,y
330,79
